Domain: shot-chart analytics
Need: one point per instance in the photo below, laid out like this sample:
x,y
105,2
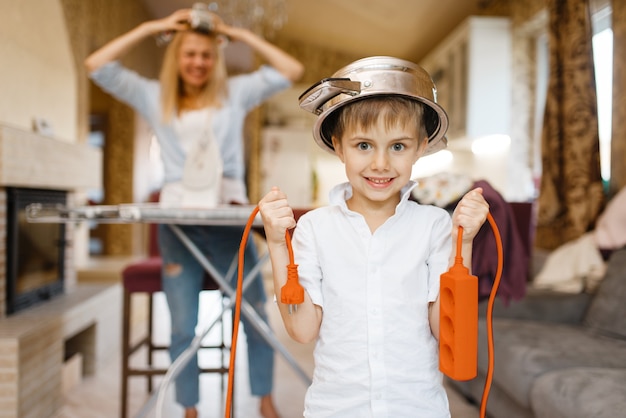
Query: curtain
x,y
618,141
571,192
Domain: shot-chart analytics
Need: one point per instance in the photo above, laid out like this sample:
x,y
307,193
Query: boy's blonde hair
x,y
171,83
392,110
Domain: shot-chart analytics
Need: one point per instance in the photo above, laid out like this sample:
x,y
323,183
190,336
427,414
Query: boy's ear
x,y
337,147
421,149
424,144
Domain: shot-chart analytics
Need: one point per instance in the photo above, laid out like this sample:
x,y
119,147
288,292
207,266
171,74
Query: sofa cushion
x,y
542,305
525,350
580,393
608,307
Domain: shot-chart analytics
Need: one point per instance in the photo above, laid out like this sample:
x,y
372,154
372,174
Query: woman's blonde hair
x,y
172,85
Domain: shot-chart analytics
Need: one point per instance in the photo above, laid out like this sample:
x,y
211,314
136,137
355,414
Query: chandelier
x,y
263,17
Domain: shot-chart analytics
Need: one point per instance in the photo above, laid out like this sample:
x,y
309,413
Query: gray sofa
x,y
558,355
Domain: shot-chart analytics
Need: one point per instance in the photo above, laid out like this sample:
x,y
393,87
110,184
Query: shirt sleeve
x,y
254,88
306,257
126,85
439,257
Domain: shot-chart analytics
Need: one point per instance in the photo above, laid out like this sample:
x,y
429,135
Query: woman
x,y
193,93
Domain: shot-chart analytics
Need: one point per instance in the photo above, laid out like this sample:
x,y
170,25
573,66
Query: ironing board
x,y
230,215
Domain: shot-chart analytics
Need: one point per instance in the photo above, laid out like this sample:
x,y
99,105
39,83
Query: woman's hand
x,y
222,28
177,21
470,213
118,47
286,64
277,215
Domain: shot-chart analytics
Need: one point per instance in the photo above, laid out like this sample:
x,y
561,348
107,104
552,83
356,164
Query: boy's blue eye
x,y
363,146
397,147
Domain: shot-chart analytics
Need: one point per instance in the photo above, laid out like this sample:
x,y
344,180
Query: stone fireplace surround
x,y
84,319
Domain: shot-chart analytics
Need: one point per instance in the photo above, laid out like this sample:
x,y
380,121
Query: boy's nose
x,y
380,161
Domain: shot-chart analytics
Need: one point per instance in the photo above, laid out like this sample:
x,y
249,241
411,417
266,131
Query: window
x,y
603,66
603,63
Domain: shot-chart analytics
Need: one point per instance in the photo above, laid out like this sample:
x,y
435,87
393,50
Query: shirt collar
x,y
343,191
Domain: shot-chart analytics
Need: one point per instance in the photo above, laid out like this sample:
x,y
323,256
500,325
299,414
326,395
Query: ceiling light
x,y
263,17
432,164
491,145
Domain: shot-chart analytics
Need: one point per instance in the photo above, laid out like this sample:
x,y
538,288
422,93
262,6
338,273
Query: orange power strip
x,y
458,319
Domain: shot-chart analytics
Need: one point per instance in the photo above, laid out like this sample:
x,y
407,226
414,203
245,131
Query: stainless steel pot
x,y
376,76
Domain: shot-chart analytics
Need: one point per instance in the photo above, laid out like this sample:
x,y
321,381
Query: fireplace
x,y
35,252
43,317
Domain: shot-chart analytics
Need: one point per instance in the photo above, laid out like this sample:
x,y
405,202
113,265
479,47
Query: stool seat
x,y
145,276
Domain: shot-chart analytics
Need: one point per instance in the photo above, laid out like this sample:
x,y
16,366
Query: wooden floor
x,y
98,396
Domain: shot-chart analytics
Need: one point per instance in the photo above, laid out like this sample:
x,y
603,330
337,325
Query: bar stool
x,y
144,276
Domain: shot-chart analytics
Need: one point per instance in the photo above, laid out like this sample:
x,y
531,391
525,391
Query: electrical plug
x,y
292,293
458,321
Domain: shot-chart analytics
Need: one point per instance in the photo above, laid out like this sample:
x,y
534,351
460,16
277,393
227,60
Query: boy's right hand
x,y
277,215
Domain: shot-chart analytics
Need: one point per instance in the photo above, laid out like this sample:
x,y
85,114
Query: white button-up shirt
x,y
375,355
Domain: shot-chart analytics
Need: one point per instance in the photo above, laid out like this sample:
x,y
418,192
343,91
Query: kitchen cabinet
x,y
472,71
290,157
286,163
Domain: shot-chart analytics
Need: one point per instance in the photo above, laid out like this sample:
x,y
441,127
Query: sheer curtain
x,y
571,192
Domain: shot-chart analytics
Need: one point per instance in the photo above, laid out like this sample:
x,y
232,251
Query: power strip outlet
x,y
458,323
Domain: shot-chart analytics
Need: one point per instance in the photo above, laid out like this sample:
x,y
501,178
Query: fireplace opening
x,y
35,252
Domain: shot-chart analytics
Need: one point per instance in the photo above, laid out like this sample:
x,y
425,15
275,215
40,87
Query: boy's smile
x,y
378,162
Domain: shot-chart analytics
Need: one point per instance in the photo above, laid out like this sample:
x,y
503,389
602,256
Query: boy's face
x,y
378,161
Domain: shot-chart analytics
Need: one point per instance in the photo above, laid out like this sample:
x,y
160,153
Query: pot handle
x,y
318,94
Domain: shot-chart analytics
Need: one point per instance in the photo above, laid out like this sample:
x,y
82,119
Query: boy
x,y
370,262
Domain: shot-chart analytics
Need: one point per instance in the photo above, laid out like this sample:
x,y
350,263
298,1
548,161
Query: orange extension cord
x,y
292,293
492,299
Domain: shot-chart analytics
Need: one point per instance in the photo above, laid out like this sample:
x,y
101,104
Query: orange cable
x,y
492,298
291,293
459,246
237,308
289,247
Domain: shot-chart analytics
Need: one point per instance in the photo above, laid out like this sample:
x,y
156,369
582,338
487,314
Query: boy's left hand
x,y
470,213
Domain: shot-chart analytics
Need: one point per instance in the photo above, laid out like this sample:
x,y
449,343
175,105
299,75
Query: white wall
x,y
290,157
38,78
37,72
